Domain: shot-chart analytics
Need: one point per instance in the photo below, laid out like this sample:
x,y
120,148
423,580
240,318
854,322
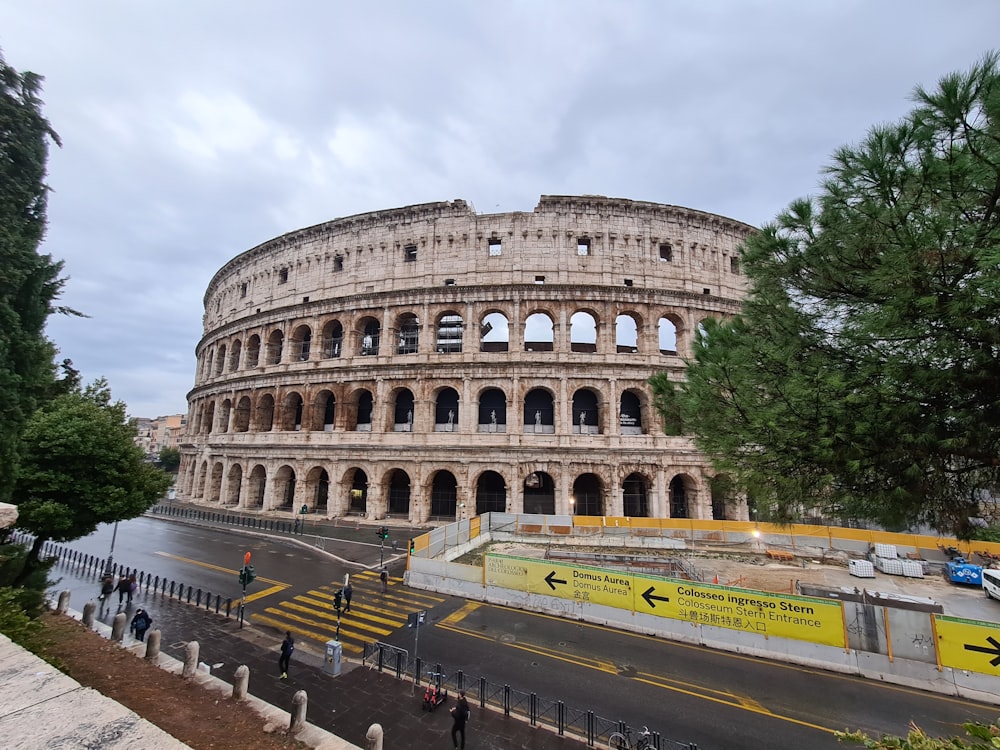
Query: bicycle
x,y
619,741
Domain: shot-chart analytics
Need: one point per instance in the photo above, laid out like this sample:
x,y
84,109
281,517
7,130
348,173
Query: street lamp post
x,y
111,552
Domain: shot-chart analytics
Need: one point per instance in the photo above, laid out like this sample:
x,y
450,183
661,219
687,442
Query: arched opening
x,y
220,361
494,333
586,415
370,331
539,414
583,332
234,355
253,351
446,410
199,490
588,496
265,413
538,333
301,343
242,422
409,334
225,411
215,493
667,331
326,411
626,334
364,407
492,411
723,499
209,364
678,498
358,493
208,424
444,496
635,496
539,493
630,414
275,345
333,339
291,413
491,493
450,329
318,489
234,485
284,495
258,485
402,413
399,493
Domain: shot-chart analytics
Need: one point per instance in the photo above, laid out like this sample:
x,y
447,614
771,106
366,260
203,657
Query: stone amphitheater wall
x,y
429,362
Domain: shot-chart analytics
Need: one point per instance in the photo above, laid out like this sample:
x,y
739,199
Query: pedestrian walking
x,y
141,623
126,587
348,593
287,647
297,524
107,586
460,713
384,577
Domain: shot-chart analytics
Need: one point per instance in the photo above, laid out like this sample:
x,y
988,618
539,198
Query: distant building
x,y
153,435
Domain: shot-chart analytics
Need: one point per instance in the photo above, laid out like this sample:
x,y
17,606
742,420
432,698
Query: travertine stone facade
x,y
431,362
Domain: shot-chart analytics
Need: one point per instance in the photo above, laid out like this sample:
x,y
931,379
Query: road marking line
x,y
210,566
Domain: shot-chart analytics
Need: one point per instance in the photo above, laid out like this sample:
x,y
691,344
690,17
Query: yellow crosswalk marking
x,y
304,633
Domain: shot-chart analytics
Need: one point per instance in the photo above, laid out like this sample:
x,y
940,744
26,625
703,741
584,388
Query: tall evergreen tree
x,y
29,281
863,373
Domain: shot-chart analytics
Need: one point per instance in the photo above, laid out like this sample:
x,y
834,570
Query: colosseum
x,y
432,363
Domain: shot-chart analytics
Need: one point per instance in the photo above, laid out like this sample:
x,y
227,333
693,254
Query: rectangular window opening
x,y
243,290
282,275
338,262
449,282
583,246
496,248
628,282
666,252
410,253
734,266
706,290
539,279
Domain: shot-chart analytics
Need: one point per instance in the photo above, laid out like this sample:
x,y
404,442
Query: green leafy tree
x,y
80,468
170,459
862,373
29,282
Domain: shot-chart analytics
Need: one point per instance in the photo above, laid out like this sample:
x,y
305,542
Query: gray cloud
x,y
194,131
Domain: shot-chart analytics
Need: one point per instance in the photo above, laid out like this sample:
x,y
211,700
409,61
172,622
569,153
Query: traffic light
x,y
338,597
247,575
382,532
412,547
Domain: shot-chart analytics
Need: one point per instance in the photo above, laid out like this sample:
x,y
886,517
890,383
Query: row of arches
x,y
405,334
391,492
585,412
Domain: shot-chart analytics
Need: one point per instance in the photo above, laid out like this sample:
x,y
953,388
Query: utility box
x,y
334,652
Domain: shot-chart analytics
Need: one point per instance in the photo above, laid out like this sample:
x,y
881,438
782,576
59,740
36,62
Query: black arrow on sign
x,y
984,650
649,597
551,579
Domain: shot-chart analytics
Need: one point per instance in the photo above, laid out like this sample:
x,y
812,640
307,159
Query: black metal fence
x,y
232,519
81,563
538,711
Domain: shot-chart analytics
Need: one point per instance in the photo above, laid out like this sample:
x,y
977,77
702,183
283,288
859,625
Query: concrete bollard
x,y
373,740
88,614
63,603
118,627
299,702
241,682
152,644
190,659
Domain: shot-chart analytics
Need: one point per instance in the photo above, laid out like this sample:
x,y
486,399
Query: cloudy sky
x,y
194,130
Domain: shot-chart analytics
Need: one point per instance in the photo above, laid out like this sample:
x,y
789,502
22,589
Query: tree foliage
x,y
29,282
170,459
917,739
80,468
863,372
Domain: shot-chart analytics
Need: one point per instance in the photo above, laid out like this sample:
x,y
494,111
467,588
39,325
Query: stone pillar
x,y
63,604
299,703
562,405
88,614
190,659
241,682
152,645
373,739
118,627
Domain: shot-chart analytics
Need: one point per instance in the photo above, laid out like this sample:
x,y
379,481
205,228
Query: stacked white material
x,y
913,569
861,568
886,550
892,566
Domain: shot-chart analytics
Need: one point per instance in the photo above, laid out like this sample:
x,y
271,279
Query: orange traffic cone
x,y
715,580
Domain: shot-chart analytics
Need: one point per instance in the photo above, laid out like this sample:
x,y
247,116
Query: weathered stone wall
x,y
368,354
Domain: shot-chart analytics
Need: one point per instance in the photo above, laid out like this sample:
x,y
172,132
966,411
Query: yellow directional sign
x,y
968,644
778,615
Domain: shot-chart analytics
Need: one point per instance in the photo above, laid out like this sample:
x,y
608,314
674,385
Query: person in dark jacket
x,y
348,593
460,713
141,623
125,587
107,586
287,647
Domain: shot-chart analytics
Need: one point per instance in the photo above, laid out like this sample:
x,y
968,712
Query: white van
x,y
991,582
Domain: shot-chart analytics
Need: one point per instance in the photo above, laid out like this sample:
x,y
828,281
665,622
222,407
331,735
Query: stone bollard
x,y
63,603
118,627
152,644
241,682
299,702
190,659
373,740
88,614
